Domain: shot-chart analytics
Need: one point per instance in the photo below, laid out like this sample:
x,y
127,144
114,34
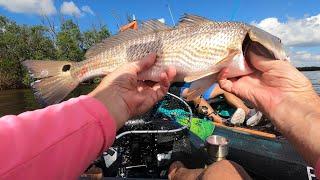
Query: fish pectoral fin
x,y
225,61
197,76
194,94
232,53
199,86
214,70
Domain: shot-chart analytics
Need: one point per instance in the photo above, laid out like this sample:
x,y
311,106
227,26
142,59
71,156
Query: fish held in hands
x,y
197,48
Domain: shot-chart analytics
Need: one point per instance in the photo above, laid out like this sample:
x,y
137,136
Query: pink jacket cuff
x,y
57,142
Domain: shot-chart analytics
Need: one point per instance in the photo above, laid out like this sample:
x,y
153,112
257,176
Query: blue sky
x,y
296,22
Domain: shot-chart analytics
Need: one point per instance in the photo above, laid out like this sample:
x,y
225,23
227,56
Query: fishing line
x,y
235,9
163,131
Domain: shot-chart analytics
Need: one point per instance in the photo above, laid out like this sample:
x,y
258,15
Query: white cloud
x,y
41,7
305,55
304,32
304,58
87,9
69,8
162,20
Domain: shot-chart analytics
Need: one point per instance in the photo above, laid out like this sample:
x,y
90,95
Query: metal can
x,y
217,148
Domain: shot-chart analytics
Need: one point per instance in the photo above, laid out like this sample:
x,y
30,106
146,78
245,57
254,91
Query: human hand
x,y
286,96
274,84
126,96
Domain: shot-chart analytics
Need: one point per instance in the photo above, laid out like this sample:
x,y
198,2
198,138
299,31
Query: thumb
x,y
230,86
224,83
233,85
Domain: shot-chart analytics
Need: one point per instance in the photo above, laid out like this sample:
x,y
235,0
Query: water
x,y
17,101
21,100
314,76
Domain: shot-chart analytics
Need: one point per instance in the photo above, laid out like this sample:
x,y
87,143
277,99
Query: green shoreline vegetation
x,y
311,68
39,42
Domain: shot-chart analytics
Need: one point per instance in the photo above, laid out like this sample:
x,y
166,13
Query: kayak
x,y
265,158
147,145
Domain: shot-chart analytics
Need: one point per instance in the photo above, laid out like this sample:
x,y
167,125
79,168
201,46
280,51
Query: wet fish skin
x,y
198,48
188,49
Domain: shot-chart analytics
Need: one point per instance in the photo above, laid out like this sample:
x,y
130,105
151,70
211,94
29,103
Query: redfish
x,y
197,48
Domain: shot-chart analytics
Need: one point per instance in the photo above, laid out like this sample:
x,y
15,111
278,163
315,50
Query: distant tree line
x,y
312,68
38,42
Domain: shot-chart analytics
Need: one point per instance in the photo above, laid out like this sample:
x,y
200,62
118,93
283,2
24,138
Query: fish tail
x,y
53,80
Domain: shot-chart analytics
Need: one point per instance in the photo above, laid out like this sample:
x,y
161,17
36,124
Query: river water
x,y
19,100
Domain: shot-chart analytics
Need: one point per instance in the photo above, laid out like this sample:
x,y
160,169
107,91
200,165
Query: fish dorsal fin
x,y
197,76
146,27
153,25
111,42
191,20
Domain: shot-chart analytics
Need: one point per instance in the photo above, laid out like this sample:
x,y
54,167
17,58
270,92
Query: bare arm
x,y
287,97
298,119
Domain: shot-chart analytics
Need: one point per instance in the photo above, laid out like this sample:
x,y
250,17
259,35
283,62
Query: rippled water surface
x,y
19,100
314,76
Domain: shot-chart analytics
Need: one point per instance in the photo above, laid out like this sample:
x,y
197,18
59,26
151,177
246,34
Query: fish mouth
x,y
256,47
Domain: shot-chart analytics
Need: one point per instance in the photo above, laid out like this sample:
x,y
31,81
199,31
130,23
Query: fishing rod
x,y
169,9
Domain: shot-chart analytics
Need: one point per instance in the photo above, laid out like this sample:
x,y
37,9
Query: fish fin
x,y
198,87
153,25
45,68
194,94
94,50
226,60
110,42
197,76
216,69
190,20
54,80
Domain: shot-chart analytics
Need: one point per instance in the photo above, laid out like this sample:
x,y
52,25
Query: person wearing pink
x,y
60,141
57,142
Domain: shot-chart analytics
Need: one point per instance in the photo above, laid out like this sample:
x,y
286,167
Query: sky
x,y
296,22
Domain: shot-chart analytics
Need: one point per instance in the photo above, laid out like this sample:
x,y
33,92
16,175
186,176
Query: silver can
x,y
217,148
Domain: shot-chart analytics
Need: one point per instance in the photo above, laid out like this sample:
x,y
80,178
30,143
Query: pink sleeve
x,y
317,169
57,142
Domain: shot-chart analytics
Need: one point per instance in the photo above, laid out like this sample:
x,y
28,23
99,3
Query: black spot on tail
x,y
66,68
